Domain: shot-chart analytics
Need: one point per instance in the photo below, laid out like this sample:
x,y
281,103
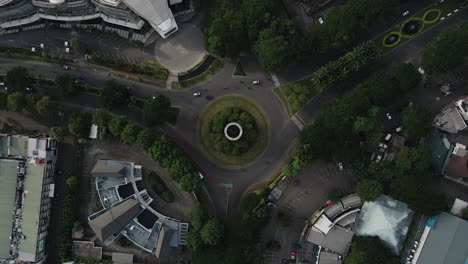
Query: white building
x,y
130,14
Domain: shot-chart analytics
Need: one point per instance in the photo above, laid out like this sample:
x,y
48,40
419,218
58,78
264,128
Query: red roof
x,y
458,167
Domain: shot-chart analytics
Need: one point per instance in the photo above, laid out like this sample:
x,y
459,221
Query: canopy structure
x,y
387,219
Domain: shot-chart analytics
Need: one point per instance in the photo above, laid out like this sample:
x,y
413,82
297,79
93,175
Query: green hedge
x,y
148,68
300,92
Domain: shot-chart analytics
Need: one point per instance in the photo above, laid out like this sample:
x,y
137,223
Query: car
x,y
153,97
256,82
29,89
340,165
2,84
406,13
6,89
209,97
388,137
196,94
321,21
389,116
66,67
398,129
201,175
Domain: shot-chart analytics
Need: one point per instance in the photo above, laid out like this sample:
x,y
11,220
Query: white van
x,y
201,175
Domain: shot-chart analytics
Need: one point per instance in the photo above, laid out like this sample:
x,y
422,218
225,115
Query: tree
x,y
3,99
78,46
194,240
117,124
57,133
72,181
130,133
32,98
198,216
15,102
212,232
79,125
145,138
272,50
370,249
417,158
446,52
190,182
66,85
45,107
407,75
18,78
4,127
416,122
115,95
101,116
369,190
293,169
155,111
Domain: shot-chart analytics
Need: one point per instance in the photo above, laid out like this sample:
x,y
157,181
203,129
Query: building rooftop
x,y
457,167
441,149
114,219
458,207
31,210
446,242
387,219
450,121
8,178
329,258
337,239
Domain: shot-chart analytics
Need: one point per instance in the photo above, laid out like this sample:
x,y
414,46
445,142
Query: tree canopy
x,y
18,78
101,117
79,125
130,133
15,102
66,85
212,232
115,95
446,52
369,190
45,107
370,249
117,124
417,121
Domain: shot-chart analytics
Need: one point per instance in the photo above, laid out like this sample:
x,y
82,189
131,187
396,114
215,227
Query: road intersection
x,y
283,128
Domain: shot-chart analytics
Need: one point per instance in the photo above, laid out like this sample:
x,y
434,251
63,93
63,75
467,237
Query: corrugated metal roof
x,y
447,242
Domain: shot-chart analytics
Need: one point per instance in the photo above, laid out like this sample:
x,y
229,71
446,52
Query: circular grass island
x,y
233,131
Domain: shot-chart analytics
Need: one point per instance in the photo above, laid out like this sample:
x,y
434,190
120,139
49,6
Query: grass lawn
x,y
283,99
446,7
214,68
263,129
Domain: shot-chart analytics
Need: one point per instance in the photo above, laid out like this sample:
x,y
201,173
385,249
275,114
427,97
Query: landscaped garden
x,y
417,24
295,95
233,131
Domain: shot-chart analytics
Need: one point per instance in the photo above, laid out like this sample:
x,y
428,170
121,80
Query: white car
x,y
256,82
197,94
340,165
321,21
389,116
65,67
406,13
2,84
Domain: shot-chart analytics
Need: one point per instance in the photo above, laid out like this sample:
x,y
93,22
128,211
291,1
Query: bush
x,y
66,85
18,78
245,120
15,102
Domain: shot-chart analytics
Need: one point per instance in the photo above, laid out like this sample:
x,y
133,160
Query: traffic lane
x,y
405,53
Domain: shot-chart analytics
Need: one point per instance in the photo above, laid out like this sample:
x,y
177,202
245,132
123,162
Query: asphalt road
x,y
283,130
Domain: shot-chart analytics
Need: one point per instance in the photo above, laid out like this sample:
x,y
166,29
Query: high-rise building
x,y
27,167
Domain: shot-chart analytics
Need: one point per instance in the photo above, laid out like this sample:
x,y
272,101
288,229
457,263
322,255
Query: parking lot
x,y
304,195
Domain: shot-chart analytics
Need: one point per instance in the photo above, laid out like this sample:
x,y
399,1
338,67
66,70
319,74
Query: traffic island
x,y
233,131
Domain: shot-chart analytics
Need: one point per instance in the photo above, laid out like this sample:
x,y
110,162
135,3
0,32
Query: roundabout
x,y
233,131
